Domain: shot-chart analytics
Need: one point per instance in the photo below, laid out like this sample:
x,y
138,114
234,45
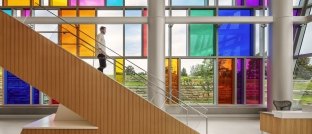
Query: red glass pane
x,y
54,102
226,81
253,81
145,35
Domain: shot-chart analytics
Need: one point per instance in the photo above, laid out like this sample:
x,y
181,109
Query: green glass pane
x,y
202,36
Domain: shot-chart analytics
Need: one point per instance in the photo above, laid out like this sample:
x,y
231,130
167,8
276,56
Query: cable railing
x,y
162,92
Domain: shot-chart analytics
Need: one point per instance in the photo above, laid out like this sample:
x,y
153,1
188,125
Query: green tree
x,y
303,69
130,70
205,71
183,72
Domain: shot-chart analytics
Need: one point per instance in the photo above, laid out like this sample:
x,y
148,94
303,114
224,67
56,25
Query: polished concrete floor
x,y
216,125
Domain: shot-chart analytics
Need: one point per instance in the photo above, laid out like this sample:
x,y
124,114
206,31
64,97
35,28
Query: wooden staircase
x,y
96,98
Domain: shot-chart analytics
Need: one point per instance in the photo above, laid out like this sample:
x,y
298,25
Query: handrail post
x,y
206,125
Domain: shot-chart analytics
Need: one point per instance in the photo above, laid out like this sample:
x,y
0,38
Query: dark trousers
x,y
102,60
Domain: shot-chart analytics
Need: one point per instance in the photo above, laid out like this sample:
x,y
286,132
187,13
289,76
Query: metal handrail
x,y
206,109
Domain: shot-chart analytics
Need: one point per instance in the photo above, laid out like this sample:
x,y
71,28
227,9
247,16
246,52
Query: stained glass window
x,y
87,35
58,2
115,2
253,81
69,39
240,80
18,2
91,2
235,39
16,90
35,96
226,81
145,35
172,71
7,11
119,64
202,39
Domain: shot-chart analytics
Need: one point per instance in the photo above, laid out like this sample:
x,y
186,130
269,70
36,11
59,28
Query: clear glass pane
x,y
133,39
110,13
136,77
45,13
197,84
135,2
307,40
50,31
188,2
225,2
113,39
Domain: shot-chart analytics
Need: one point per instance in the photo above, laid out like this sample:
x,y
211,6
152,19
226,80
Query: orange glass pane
x,y
87,34
17,2
174,79
36,2
69,33
58,2
226,81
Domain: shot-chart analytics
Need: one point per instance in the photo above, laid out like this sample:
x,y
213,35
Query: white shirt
x,y
100,45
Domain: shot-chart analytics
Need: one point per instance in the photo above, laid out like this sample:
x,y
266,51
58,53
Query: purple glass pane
x,y
91,2
73,3
239,2
296,26
240,81
253,3
253,81
26,13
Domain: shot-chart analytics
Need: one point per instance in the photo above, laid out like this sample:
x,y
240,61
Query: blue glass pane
x,y
35,95
16,91
235,39
9,12
115,2
188,2
133,13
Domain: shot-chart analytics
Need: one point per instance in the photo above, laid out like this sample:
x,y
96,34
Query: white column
x,y
280,71
156,51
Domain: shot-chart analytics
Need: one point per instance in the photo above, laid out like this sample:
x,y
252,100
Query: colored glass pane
x,y
115,2
91,2
235,39
202,39
145,35
73,3
119,67
1,86
16,90
188,2
252,3
86,35
239,2
253,81
226,81
68,38
53,101
17,2
172,86
36,2
8,12
58,2
35,96
240,80
133,39
26,13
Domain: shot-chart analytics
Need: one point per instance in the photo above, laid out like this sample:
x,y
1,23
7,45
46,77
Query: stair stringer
x,y
93,96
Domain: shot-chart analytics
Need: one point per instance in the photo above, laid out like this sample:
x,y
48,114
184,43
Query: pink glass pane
x,y
91,2
253,81
26,13
73,3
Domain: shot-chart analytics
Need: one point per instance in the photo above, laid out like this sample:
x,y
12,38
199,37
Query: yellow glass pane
x,y
87,42
174,79
58,2
87,34
18,2
119,70
69,33
36,2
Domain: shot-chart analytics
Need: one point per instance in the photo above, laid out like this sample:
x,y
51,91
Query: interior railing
x,y
184,108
